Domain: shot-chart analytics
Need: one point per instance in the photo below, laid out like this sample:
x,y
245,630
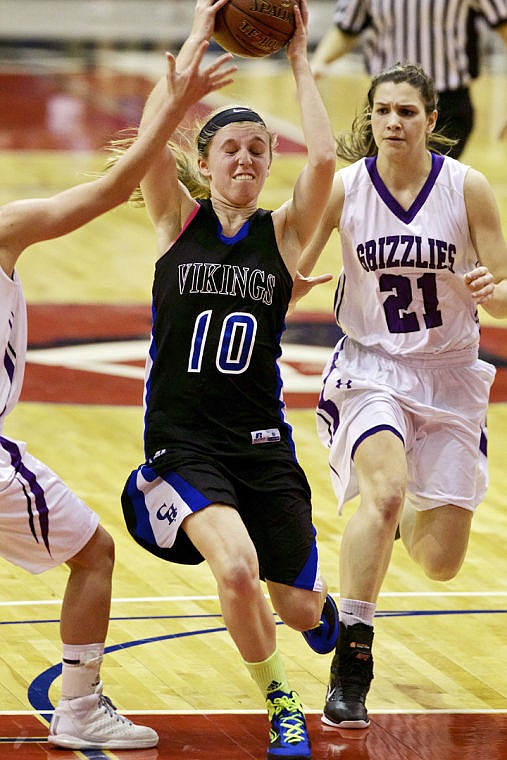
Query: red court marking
x,y
493,339
51,325
227,736
56,324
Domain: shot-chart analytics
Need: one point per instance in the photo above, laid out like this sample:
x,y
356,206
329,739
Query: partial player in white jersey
x,y
42,523
404,397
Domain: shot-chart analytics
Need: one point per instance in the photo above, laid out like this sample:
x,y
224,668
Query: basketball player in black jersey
x,y
221,481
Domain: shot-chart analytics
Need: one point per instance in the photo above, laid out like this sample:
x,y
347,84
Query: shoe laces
x,y
290,716
106,704
351,680
349,691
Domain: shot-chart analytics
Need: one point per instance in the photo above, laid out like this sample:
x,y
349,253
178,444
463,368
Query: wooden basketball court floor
x,y
440,688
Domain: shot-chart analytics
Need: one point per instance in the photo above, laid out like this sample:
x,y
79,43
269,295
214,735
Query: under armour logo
x,y
346,384
167,513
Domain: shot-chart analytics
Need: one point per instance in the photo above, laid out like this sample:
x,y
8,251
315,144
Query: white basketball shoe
x,y
92,722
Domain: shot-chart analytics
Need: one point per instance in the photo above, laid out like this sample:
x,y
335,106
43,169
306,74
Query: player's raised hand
x,y
205,13
194,81
203,26
299,40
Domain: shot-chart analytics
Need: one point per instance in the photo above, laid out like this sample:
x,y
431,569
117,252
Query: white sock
x,y
353,611
80,669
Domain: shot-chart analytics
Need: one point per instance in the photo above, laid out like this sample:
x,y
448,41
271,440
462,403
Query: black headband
x,y
221,119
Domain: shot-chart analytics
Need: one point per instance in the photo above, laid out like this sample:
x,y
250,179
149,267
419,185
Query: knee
x,y
302,618
301,609
439,541
97,554
439,562
442,568
103,546
382,473
239,577
389,506
383,495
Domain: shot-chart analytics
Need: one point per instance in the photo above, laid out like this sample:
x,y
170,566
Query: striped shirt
x,y
437,34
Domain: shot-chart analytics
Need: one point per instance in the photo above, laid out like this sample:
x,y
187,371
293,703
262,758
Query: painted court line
x,y
214,597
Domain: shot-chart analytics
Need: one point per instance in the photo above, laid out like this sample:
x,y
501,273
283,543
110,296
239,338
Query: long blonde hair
x,y
189,145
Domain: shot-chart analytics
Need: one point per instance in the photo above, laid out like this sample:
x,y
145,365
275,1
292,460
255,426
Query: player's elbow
x,y
323,166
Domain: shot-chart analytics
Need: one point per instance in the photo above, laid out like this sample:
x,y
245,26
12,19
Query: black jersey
x,y
219,308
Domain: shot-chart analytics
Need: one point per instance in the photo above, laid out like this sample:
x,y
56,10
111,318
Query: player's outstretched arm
x,y
25,222
313,185
202,29
488,281
160,188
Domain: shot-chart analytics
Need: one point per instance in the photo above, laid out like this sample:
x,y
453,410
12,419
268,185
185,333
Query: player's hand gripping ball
x,y
255,28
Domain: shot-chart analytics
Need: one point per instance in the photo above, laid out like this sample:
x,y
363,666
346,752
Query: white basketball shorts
x,y
436,406
42,522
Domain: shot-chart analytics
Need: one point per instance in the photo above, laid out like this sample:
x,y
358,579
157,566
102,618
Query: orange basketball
x,y
254,28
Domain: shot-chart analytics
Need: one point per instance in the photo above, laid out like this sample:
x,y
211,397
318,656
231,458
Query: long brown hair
x,y
359,143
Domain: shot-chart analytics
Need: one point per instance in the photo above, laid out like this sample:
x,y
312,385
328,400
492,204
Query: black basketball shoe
x,y
350,678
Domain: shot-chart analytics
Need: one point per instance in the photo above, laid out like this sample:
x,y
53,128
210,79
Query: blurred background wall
x,y
86,24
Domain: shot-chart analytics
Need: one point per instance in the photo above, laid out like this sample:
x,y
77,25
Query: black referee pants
x,y
455,117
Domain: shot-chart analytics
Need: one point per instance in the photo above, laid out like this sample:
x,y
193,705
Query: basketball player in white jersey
x,y
42,523
404,398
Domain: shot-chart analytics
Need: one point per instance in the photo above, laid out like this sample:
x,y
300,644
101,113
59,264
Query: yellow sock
x,y
269,675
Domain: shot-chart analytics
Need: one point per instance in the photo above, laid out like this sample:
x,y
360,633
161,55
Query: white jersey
x,y
13,342
401,287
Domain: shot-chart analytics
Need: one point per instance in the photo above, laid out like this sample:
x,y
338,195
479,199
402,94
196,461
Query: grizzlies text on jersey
x,y
407,266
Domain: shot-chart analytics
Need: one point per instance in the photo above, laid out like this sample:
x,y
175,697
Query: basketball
x,y
254,28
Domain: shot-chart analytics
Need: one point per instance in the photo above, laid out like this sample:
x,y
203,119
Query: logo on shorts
x,y
345,383
265,436
167,513
156,455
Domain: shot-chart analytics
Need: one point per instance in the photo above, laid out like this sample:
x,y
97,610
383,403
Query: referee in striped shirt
x,y
440,35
